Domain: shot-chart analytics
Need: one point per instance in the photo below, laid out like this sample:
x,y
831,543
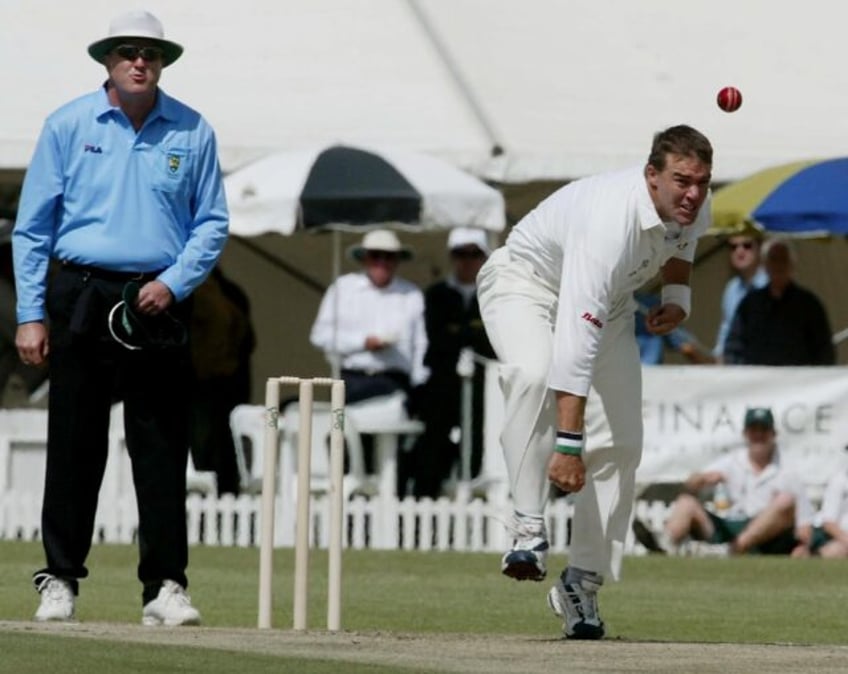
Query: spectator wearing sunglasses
x,y
370,325
452,317
782,323
748,273
123,190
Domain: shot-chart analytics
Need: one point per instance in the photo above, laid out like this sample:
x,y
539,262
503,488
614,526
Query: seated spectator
x,y
372,322
830,538
748,273
371,325
452,317
652,347
781,323
765,511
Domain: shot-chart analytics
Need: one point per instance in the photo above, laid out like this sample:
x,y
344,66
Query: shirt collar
x,y
164,106
363,281
645,209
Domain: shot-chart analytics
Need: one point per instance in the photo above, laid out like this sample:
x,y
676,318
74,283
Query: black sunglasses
x,y
381,255
131,52
747,245
466,254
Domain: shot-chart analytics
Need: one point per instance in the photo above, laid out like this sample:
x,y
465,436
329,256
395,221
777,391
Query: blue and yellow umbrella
x,y
805,198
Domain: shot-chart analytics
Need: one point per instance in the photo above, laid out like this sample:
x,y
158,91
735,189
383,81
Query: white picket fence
x,y
379,521
473,526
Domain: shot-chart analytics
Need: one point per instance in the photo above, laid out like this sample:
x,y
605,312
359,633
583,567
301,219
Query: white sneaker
x,y
526,560
577,605
704,549
57,598
171,607
659,544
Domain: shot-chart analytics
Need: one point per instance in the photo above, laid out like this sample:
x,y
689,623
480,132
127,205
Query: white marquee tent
x,y
563,87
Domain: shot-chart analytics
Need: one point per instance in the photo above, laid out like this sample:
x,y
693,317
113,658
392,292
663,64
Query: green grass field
x,y
753,600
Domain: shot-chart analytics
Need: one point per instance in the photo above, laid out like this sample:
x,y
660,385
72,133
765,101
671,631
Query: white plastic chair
x,y
354,480
247,423
385,417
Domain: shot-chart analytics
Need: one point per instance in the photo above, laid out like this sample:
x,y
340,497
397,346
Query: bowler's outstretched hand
x,y
663,319
567,472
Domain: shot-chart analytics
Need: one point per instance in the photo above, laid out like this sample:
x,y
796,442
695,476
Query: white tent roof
x,y
566,88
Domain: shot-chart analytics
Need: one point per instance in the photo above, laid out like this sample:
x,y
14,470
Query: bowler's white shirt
x,y
394,313
750,492
834,507
594,242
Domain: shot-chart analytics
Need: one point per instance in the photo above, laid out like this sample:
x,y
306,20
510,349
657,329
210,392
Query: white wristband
x,y
679,294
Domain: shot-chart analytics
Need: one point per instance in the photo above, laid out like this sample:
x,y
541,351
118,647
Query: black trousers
x,y
361,385
434,454
89,371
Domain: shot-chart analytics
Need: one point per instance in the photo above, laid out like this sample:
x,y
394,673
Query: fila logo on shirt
x,y
94,149
591,319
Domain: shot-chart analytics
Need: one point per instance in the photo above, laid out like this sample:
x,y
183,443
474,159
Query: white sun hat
x,y
135,24
384,240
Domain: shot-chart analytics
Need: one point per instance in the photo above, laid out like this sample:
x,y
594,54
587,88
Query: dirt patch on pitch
x,y
473,653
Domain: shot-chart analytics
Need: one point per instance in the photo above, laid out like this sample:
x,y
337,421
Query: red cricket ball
x,y
729,99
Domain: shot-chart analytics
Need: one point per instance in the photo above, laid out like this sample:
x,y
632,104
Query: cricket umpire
x,y
557,303
124,198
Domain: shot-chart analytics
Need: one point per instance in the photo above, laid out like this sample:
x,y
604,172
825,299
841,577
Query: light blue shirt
x,y
733,294
99,193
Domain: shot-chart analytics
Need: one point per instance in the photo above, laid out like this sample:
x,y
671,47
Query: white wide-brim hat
x,y
136,24
383,240
460,237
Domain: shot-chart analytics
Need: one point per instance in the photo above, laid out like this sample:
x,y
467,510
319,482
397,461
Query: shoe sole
x,y
523,567
150,621
523,571
646,537
71,620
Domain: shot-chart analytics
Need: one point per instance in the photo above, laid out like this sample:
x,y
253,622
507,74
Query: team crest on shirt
x,y
173,163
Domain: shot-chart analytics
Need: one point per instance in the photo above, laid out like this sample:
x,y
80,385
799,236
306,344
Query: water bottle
x,y
721,499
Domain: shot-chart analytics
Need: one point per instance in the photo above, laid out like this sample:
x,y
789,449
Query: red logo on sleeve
x,y
591,319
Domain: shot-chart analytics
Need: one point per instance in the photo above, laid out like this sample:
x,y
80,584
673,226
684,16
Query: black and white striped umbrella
x,y
344,187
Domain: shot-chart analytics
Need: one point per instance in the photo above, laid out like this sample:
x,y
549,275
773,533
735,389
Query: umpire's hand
x,y
567,472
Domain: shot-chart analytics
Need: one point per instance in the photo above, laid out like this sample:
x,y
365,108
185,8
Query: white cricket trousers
x,y
519,312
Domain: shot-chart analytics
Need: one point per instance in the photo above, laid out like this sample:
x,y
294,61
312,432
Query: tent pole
x,y
461,82
335,358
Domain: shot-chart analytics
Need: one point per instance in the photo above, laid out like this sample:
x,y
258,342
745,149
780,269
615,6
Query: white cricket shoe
x,y
526,560
57,599
577,605
652,543
171,607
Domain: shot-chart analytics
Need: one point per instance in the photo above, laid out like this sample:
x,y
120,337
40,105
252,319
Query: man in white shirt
x,y
830,537
557,302
372,322
763,507
371,325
